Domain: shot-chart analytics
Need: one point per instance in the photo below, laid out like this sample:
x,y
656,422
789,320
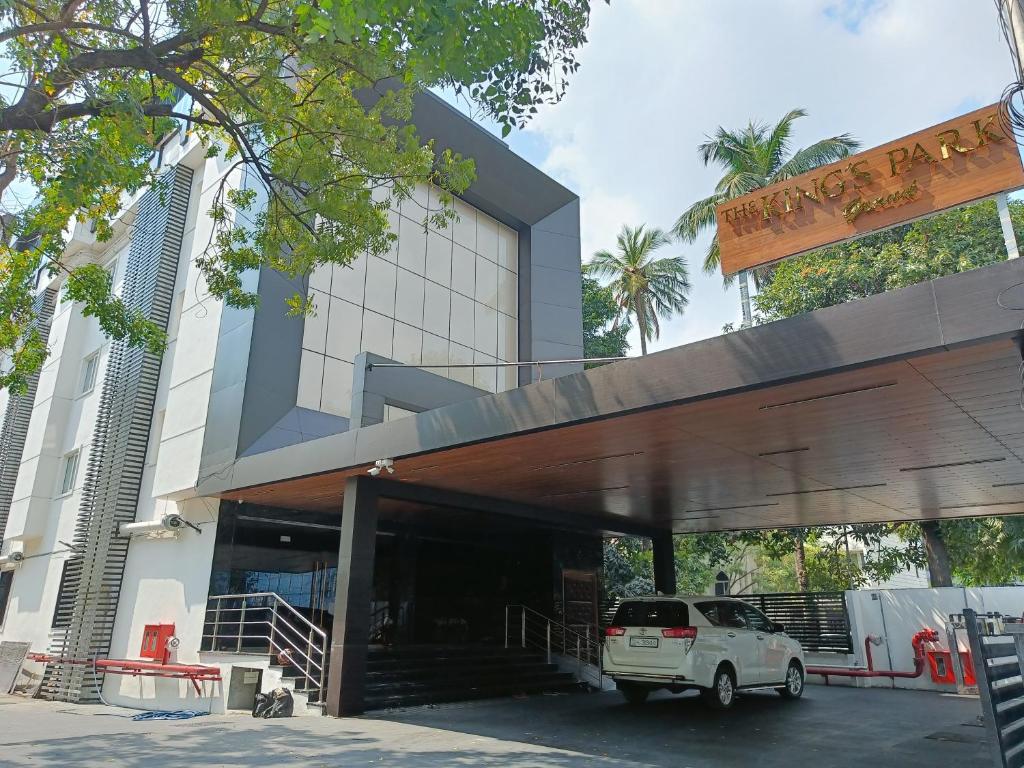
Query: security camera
x,y
13,558
381,464
166,525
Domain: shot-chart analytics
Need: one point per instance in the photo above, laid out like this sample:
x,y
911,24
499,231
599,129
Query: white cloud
x,y
657,75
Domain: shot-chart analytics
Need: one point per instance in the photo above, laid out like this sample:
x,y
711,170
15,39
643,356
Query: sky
x,y
657,76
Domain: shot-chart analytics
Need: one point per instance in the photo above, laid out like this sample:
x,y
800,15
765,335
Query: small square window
x,y
69,472
90,367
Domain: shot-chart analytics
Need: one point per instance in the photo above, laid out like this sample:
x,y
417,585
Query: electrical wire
x,y
1011,103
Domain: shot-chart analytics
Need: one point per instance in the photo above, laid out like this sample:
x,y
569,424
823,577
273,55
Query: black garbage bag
x,y
277,703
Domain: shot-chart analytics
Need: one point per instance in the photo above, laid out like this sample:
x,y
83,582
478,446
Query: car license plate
x,y
643,642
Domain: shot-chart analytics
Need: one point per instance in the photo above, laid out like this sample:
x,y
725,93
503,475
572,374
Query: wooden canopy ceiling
x,y
934,436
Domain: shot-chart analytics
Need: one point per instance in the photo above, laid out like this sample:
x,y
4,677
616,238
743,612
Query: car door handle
x,y
760,637
730,634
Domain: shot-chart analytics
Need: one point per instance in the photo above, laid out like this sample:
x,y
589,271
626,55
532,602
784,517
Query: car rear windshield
x,y
652,613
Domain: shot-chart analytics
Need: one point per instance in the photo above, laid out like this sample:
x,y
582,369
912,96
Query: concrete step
x,y
385,700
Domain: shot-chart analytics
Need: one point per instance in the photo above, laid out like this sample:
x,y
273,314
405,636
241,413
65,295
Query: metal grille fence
x,y
818,620
998,652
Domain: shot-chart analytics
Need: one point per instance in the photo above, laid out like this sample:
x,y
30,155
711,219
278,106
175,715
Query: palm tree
x,y
644,287
753,158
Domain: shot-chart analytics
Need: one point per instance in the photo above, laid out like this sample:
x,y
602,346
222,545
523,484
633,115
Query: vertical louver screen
x,y
87,604
18,415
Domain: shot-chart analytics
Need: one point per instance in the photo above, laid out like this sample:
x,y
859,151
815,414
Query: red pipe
x,y
918,641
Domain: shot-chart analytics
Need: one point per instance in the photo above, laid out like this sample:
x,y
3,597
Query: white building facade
x,y
109,435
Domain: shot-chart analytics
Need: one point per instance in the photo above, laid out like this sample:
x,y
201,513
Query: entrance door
x,y
579,601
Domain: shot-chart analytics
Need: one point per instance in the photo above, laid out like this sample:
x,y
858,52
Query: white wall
x,y
166,581
896,615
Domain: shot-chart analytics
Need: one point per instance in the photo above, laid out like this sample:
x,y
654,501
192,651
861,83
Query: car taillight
x,y
680,633
614,631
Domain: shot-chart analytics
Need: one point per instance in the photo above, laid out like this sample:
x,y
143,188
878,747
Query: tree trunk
x,y
641,324
800,558
940,571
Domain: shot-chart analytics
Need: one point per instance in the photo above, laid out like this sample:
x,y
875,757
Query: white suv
x,y
716,645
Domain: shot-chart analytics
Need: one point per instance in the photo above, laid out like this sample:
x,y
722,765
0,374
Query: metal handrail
x,y
273,623
301,637
528,633
277,598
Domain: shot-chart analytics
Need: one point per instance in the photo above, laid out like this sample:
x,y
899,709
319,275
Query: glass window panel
x,y
439,259
337,389
508,248
485,336
394,224
412,245
416,206
435,352
409,298
378,333
311,377
320,278
508,349
436,309
458,354
485,378
486,237
508,378
314,332
344,330
464,226
486,282
69,472
392,412
349,281
462,320
408,344
380,286
508,292
90,367
463,271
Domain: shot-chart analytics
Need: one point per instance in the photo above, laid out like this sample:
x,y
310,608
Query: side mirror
x,y
776,627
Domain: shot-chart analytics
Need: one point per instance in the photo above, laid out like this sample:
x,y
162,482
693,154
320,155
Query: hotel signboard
x,y
956,162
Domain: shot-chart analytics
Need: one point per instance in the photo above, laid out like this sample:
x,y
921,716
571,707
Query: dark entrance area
x,y
438,586
437,580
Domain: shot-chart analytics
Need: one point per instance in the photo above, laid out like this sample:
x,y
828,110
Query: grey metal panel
x,y
553,299
561,287
413,389
968,304
87,604
890,326
18,414
296,426
272,378
506,186
557,324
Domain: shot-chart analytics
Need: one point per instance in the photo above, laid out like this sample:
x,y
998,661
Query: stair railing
x,y
264,623
527,628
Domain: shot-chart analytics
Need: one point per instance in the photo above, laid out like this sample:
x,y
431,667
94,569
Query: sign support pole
x,y
745,300
1003,206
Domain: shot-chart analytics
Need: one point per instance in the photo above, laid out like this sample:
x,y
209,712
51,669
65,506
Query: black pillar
x,y
351,634
664,563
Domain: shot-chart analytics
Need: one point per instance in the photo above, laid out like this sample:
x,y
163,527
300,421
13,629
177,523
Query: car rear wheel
x,y
634,694
722,693
794,687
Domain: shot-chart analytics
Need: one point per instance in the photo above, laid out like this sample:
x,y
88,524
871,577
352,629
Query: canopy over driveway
x,y
903,406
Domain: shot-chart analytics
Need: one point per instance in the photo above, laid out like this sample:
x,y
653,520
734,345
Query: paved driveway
x,y
830,727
